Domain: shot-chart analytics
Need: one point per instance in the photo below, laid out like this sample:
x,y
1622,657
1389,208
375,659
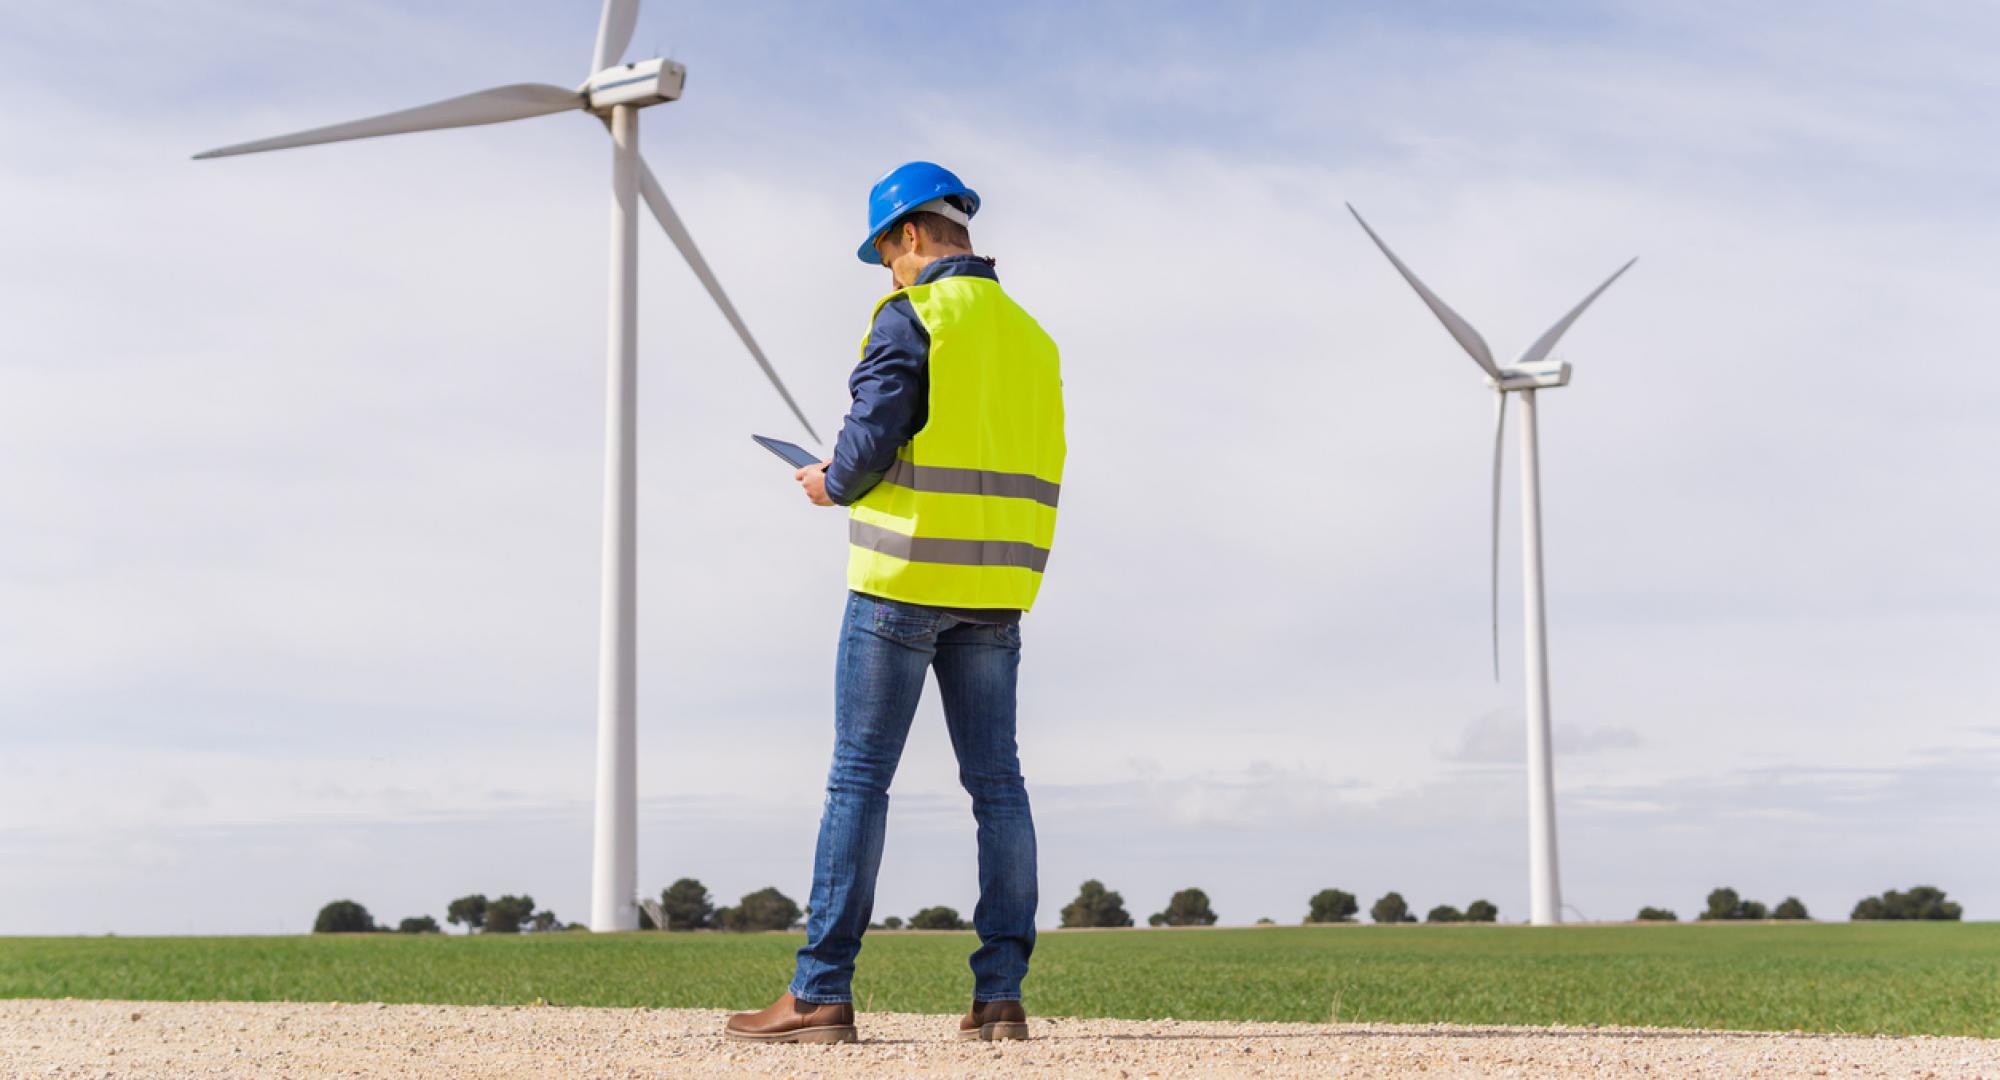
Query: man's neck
x,y
922,262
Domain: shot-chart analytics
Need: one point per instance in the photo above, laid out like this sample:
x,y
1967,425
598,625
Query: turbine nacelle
x,y
647,82
1540,375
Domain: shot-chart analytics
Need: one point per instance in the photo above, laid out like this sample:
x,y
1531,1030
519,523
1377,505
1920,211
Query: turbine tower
x,y
1532,372
614,92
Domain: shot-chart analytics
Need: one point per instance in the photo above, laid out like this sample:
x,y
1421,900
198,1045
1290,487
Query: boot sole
x,y
832,1033
996,1031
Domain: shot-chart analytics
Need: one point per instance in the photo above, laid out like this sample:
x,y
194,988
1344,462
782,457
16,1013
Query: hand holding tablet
x,y
809,473
798,457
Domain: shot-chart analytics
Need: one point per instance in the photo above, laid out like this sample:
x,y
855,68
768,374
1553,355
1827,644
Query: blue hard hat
x,y
903,189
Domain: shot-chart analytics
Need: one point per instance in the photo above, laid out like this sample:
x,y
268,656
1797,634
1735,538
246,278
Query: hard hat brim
x,y
867,253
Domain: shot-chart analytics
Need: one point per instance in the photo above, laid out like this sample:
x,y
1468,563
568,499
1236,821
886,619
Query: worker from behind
x,y
949,463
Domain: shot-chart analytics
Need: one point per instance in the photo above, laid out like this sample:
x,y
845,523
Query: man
x,y
950,463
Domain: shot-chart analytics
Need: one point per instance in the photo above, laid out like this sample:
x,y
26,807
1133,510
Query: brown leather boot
x,y
790,1020
993,1020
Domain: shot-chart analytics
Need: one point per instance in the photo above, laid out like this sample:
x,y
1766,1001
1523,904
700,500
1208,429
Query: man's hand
x,y
813,479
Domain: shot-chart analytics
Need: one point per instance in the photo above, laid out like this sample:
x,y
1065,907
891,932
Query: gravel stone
x,y
420,1042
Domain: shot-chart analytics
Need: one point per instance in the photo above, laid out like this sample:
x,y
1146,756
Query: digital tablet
x,y
798,457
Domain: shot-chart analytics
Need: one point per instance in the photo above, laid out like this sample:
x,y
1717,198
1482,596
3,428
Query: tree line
x,y
1920,902
1097,906
686,905
507,915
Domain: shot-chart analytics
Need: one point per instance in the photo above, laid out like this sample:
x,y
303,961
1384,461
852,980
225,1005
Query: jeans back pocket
x,y
902,622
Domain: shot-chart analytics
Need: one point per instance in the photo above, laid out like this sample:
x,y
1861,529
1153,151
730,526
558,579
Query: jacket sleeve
x,y
890,388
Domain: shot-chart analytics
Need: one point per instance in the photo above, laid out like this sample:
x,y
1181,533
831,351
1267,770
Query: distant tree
x,y
1653,914
1723,904
1266,920
1096,906
1332,905
1189,907
686,904
541,922
417,924
1928,902
1392,908
936,918
893,922
1921,902
468,911
646,919
765,909
1445,913
344,917
1791,908
507,914
1481,911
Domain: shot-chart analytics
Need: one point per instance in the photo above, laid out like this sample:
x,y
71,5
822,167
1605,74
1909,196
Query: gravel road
x,y
198,1039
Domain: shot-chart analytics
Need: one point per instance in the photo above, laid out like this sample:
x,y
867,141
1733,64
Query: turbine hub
x,y
1540,375
648,82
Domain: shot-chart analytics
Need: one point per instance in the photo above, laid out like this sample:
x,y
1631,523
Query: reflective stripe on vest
x,y
966,515
972,482
956,552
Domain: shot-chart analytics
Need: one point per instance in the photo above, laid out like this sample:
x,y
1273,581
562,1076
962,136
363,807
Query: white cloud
x,y
1500,737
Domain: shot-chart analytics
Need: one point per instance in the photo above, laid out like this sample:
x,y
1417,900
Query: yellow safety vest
x,y
966,515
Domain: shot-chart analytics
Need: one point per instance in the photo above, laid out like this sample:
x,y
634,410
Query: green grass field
x,y
1893,978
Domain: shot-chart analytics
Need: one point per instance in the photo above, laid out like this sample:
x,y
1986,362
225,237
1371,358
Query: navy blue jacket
x,y
891,387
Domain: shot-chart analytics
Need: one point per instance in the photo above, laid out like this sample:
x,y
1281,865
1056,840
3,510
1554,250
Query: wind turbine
x,y
614,93
1532,372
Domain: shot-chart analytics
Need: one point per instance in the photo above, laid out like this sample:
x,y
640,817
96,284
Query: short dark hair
x,y
939,229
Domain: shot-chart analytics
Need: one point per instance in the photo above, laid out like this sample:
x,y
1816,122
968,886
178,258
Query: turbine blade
x,y
614,33
1499,430
649,187
1547,341
498,105
1468,338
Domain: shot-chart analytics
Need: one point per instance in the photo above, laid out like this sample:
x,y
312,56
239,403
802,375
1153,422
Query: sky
x,y
302,452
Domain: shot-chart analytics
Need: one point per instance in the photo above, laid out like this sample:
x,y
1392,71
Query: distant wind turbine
x,y
1533,371
614,93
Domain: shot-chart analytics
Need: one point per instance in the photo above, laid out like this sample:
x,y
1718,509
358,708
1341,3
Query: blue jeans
x,y
885,648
